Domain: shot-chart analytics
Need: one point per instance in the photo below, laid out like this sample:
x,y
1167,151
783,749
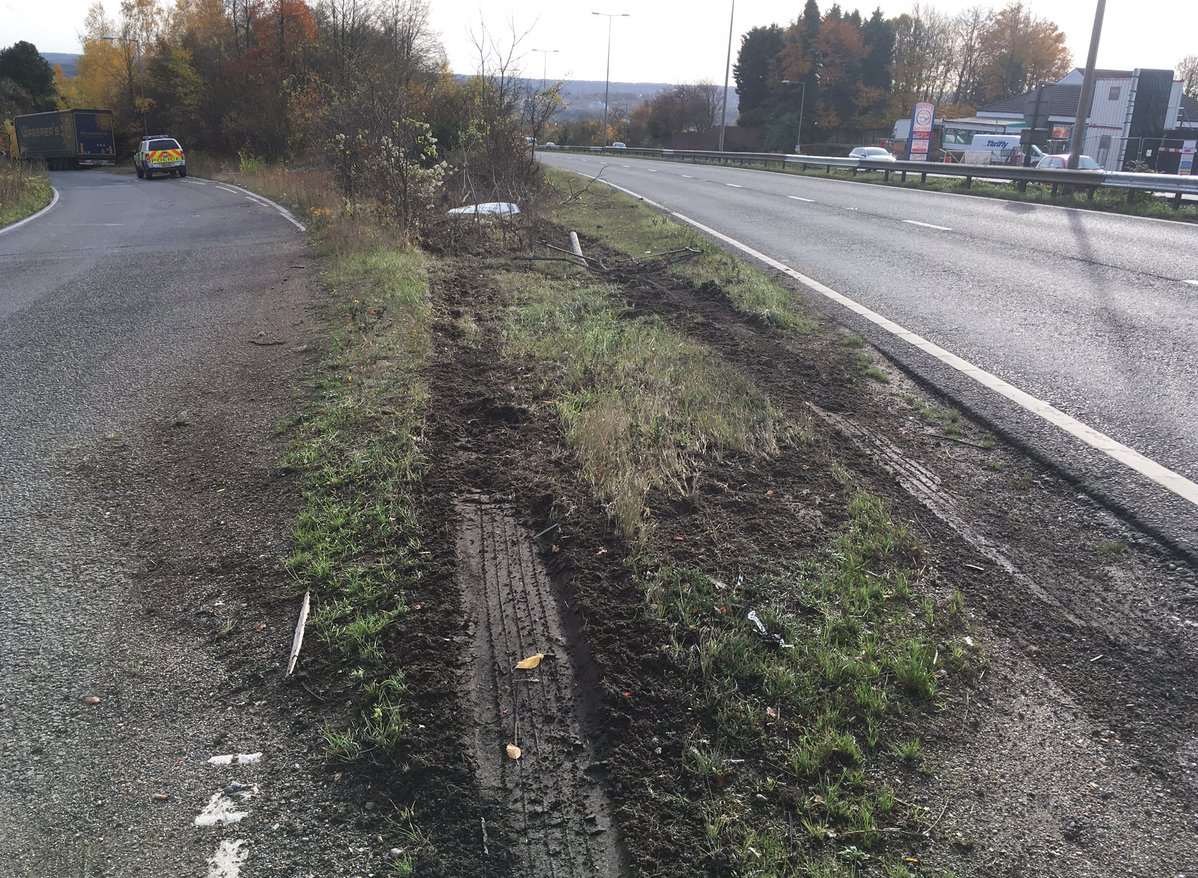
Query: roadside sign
x,y
923,118
1186,166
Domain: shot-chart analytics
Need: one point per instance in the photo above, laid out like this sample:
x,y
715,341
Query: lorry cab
x,y
159,154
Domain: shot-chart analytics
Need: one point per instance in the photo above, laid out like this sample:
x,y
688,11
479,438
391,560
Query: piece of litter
x,y
775,639
489,208
531,662
1097,657
297,639
513,752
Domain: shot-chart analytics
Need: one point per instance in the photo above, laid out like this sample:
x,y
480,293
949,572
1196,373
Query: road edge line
x,y
1162,476
16,225
284,212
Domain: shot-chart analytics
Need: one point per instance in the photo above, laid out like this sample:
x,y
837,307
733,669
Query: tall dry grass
x,y
24,189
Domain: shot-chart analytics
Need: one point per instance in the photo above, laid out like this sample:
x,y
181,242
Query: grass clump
x,y
639,403
24,190
635,230
357,540
809,719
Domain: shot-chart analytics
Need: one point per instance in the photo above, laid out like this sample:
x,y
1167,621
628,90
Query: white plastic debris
x,y
489,208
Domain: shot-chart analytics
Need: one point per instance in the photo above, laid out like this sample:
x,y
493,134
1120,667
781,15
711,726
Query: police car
x,y
159,154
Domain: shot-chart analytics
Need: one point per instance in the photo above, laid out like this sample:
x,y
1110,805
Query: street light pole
x,y
607,82
727,70
545,53
1077,139
802,106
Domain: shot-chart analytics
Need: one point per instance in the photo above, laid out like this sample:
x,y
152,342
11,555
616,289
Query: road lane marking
x,y
733,186
1117,451
1193,283
32,217
282,211
688,176
227,861
798,198
195,183
651,170
927,225
221,809
235,759
227,188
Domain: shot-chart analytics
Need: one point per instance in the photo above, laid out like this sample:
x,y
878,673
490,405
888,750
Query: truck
x,y
66,138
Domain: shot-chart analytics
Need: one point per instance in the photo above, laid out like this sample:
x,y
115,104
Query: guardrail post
x,y
827,169
803,165
968,181
1021,186
1054,190
923,177
904,176
1177,201
1090,193
887,175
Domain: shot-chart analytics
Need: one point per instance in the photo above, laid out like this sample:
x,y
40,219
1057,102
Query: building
x,y
1133,117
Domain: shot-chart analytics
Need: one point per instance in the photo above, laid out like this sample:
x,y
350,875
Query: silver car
x,y
1061,162
871,153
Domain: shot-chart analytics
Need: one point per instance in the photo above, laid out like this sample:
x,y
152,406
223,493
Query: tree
x,y
27,79
1187,72
1019,52
754,64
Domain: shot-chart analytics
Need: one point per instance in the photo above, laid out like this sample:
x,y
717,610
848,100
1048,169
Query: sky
x,y
680,40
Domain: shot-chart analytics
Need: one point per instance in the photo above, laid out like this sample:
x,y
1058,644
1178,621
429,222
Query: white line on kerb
x,y
32,217
798,198
733,186
927,225
1129,457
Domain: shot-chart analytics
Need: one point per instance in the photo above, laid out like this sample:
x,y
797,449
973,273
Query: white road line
x,y
32,217
1117,451
798,198
688,176
733,186
1193,283
227,188
927,225
651,170
226,862
195,182
282,211
235,759
221,809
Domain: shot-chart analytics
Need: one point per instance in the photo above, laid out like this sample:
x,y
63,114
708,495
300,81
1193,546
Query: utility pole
x,y
727,70
545,53
607,82
1077,140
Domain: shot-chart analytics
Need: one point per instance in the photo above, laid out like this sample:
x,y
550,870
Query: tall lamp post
x,y
727,70
802,106
545,53
607,84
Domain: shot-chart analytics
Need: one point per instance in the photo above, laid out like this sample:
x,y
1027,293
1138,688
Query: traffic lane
x,y
1088,339
1162,248
103,215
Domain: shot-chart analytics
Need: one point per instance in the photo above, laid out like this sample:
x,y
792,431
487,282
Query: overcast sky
x,y
680,40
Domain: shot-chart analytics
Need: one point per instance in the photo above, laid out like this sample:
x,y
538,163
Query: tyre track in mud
x,y
557,821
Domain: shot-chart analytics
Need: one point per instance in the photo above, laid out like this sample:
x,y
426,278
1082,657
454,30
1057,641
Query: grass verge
x,y
621,223
23,191
639,403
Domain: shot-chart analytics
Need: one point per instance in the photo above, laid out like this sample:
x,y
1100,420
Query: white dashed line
x,y
221,809
1193,283
226,862
651,170
688,176
733,186
927,225
227,188
235,759
1117,451
798,198
195,183
282,211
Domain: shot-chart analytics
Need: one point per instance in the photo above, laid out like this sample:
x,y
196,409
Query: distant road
x,y
1093,313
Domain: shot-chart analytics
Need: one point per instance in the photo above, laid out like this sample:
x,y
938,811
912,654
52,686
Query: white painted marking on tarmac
x,y
1193,283
235,759
32,217
226,862
227,188
282,211
798,198
927,225
734,186
651,170
1117,451
688,176
195,182
221,809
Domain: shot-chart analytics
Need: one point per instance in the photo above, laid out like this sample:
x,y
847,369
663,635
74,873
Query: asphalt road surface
x,y
1092,313
121,289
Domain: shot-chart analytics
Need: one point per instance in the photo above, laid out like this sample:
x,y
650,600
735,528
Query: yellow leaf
x,y
513,752
531,662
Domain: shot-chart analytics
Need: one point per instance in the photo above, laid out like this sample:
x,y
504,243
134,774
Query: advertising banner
x,y
1186,167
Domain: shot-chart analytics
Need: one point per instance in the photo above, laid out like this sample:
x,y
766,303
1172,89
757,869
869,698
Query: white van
x,y
1004,149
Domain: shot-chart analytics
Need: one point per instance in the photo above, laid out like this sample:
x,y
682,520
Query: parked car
x,y
619,144
159,154
549,144
871,153
1060,162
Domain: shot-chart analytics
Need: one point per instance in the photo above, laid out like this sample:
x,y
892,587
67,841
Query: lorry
x,y
66,138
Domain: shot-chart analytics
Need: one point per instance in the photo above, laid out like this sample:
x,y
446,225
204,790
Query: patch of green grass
x,y
626,225
357,539
639,403
24,190
808,728
944,418
1110,548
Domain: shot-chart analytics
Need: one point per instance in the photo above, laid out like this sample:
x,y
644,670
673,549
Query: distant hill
x,y
67,60
584,97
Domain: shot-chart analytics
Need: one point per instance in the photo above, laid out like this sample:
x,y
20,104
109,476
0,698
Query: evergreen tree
x,y
754,63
